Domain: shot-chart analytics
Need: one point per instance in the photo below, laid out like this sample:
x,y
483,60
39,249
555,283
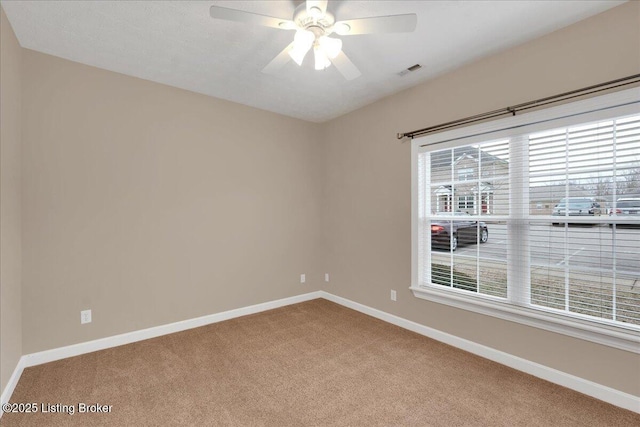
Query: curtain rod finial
x,y
401,136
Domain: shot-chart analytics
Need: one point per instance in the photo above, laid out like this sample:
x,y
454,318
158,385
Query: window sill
x,y
612,336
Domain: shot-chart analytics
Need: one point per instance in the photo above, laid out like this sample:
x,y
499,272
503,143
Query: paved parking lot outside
x,y
586,243
581,256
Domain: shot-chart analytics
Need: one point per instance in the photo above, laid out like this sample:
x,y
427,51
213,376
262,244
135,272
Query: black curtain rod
x,y
524,106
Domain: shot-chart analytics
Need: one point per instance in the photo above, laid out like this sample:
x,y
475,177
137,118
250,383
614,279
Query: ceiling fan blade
x,y
378,24
320,4
279,61
346,67
218,12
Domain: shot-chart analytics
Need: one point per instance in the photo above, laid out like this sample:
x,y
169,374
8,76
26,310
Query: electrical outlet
x,y
85,316
393,295
326,277
303,278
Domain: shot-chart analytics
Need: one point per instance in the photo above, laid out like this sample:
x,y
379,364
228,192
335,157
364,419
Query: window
x,y
465,174
466,203
541,234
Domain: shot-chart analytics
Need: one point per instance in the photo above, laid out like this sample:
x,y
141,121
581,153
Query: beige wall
x,y
367,200
10,220
149,204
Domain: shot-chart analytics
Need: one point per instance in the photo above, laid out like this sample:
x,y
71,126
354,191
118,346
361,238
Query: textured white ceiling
x,y
178,44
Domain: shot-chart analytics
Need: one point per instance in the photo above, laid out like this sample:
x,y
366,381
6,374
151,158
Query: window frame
x,y
603,107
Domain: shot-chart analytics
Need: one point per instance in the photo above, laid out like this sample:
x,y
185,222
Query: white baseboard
x,y
144,334
41,357
607,394
590,388
11,385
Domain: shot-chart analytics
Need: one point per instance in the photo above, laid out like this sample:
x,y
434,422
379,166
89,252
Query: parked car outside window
x,y
577,206
451,233
627,208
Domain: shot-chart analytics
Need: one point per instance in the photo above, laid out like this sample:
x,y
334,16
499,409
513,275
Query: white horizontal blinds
x,y
468,192
424,207
624,217
517,239
627,149
494,210
440,190
578,263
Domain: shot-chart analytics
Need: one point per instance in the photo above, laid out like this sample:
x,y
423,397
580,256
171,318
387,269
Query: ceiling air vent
x,y
412,68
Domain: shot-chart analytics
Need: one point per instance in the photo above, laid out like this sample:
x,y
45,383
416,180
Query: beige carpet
x,y
309,364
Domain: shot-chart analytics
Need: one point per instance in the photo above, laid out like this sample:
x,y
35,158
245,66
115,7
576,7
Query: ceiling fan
x,y
313,24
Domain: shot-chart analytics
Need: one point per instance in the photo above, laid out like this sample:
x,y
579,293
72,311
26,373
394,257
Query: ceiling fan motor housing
x,y
320,24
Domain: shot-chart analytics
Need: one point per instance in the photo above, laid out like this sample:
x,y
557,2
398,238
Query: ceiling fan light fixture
x,y
342,28
302,42
322,60
315,12
287,25
331,46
